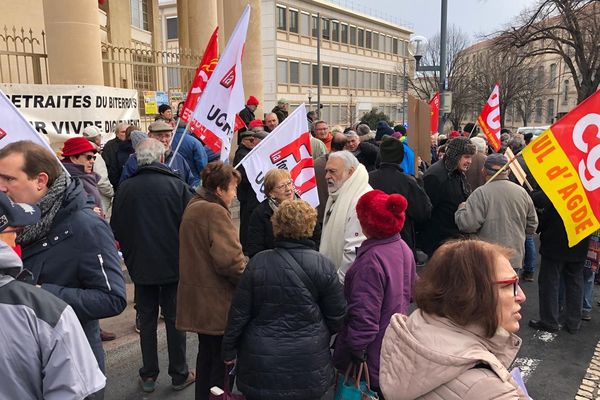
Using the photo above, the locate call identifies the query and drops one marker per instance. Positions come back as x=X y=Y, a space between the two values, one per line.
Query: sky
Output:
x=474 y=17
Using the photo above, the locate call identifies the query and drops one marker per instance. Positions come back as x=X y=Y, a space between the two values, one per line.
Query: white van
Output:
x=536 y=130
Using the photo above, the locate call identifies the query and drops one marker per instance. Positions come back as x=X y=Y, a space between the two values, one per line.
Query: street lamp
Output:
x=309 y=92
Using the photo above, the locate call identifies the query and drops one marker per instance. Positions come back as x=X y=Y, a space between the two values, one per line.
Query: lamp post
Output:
x=309 y=92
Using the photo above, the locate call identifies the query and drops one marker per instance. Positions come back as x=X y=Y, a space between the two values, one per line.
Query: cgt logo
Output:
x=229 y=78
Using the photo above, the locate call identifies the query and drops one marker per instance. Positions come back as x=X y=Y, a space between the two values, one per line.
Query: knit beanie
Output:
x=381 y=215
x=455 y=149
x=136 y=137
x=391 y=150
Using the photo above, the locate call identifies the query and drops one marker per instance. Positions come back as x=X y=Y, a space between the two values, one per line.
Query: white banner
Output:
x=68 y=109
x=223 y=96
x=287 y=147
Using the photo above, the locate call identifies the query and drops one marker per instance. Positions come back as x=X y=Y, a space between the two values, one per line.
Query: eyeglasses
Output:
x=514 y=282
x=89 y=157
x=285 y=185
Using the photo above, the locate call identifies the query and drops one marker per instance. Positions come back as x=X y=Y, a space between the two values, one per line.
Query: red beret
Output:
x=77 y=145
x=252 y=101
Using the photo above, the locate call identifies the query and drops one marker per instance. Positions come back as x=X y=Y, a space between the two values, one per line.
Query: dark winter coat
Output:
x=279 y=331
x=109 y=154
x=246 y=115
x=192 y=150
x=446 y=190
x=260 y=231
x=78 y=262
x=89 y=181
x=123 y=152
x=378 y=285
x=245 y=195
x=280 y=112
x=390 y=178
x=146 y=216
x=366 y=154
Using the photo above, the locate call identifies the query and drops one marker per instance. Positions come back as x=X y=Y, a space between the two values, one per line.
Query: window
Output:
x=538 y=110
x=139 y=14
x=361 y=37
x=335 y=31
x=353 y=35
x=304 y=24
x=368 y=42
x=326 y=77
x=360 y=79
x=375 y=41
x=550 y=111
x=293 y=21
x=344 y=33
x=325 y=28
x=294 y=72
x=374 y=80
x=344 y=77
x=335 y=76
x=352 y=78
x=388 y=44
x=395 y=46
x=305 y=74
x=335 y=114
x=552 y=82
x=381 y=81
x=315 y=74
x=281 y=20
x=171 y=28
x=566 y=92
x=282 y=72
x=540 y=76
x=314 y=29
x=367 y=84
x=381 y=43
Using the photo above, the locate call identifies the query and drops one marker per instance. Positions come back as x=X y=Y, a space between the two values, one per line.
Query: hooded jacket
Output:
x=431 y=358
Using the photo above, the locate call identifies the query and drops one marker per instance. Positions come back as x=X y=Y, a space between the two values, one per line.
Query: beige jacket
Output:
x=431 y=358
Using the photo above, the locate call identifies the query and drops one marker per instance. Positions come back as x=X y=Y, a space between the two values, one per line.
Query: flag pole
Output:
x=180 y=140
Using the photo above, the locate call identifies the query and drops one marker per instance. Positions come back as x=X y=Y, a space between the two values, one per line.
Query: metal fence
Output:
x=23 y=57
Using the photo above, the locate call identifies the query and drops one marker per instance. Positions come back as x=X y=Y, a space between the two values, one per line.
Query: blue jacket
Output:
x=408 y=162
x=191 y=150
x=78 y=262
x=180 y=168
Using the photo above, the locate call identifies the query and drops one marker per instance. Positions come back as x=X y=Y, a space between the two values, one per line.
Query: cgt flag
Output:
x=223 y=96
x=434 y=106
x=287 y=147
x=565 y=161
x=489 y=119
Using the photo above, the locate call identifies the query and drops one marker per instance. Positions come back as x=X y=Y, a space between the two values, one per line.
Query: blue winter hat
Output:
x=16 y=214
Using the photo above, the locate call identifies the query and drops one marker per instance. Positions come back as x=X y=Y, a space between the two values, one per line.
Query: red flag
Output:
x=489 y=119
x=434 y=105
x=203 y=73
x=564 y=162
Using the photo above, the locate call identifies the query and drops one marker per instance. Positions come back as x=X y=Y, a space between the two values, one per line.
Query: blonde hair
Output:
x=294 y=219
x=273 y=177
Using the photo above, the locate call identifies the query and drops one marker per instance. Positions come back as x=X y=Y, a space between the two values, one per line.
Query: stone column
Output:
x=73 y=42
x=252 y=62
x=182 y=24
x=202 y=21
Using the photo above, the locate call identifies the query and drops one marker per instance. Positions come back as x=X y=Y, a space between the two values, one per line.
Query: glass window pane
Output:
x=381 y=81
x=305 y=74
x=315 y=74
x=360 y=80
x=294 y=21
x=353 y=35
x=281 y=21
x=361 y=37
x=367 y=80
x=381 y=43
x=388 y=44
x=282 y=75
x=344 y=33
x=314 y=26
x=375 y=41
x=344 y=77
x=374 y=80
x=335 y=76
x=172 y=28
x=335 y=31
x=325 y=28
x=368 y=43
x=304 y=24
x=352 y=79
x=335 y=114
x=326 y=80
x=395 y=46
x=294 y=72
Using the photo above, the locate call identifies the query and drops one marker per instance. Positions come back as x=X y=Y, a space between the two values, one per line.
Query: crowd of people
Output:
x=295 y=295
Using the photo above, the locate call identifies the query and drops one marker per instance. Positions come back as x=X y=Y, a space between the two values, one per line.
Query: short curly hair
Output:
x=294 y=219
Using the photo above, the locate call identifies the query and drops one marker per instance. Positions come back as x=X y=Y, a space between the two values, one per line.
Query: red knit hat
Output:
x=255 y=123
x=252 y=101
x=77 y=145
x=381 y=215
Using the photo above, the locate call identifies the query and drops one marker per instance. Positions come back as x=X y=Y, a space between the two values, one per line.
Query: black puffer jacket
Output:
x=279 y=331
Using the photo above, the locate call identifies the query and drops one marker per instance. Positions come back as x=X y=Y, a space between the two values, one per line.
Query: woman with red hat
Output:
x=379 y=283
x=79 y=157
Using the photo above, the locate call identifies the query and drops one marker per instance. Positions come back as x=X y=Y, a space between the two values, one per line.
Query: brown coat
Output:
x=474 y=175
x=430 y=358
x=211 y=263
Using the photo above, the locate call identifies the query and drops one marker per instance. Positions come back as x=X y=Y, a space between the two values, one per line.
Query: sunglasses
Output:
x=89 y=157
x=514 y=282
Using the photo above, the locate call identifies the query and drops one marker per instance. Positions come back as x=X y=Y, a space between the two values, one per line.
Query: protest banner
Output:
x=287 y=147
x=434 y=105
x=223 y=96
x=489 y=118
x=68 y=109
x=564 y=160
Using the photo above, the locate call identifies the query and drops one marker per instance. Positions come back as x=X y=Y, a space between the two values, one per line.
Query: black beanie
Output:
x=163 y=107
x=391 y=150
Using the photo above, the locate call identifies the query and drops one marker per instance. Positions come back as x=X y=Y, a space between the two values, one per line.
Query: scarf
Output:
x=339 y=206
x=49 y=206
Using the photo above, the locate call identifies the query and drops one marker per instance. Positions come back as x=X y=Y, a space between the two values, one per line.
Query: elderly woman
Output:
x=378 y=284
x=460 y=341
x=79 y=157
x=284 y=311
x=211 y=263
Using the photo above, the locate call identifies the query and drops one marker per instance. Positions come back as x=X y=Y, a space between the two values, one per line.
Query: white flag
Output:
x=14 y=127
x=287 y=147
x=223 y=96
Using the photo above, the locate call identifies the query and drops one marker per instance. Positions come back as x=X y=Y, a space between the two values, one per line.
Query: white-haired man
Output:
x=347 y=180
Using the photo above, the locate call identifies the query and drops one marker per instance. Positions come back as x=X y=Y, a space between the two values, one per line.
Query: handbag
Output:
x=353 y=388
x=217 y=393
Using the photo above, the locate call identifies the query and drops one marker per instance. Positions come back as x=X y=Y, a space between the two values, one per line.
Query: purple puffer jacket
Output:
x=379 y=284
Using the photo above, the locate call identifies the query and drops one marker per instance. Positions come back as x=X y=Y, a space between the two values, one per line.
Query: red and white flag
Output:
x=489 y=118
x=287 y=147
x=434 y=106
x=14 y=127
x=223 y=96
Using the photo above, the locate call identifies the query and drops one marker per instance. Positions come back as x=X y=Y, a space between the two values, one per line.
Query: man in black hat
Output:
x=447 y=187
x=390 y=179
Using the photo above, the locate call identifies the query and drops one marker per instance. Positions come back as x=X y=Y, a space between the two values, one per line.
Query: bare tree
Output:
x=567 y=28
